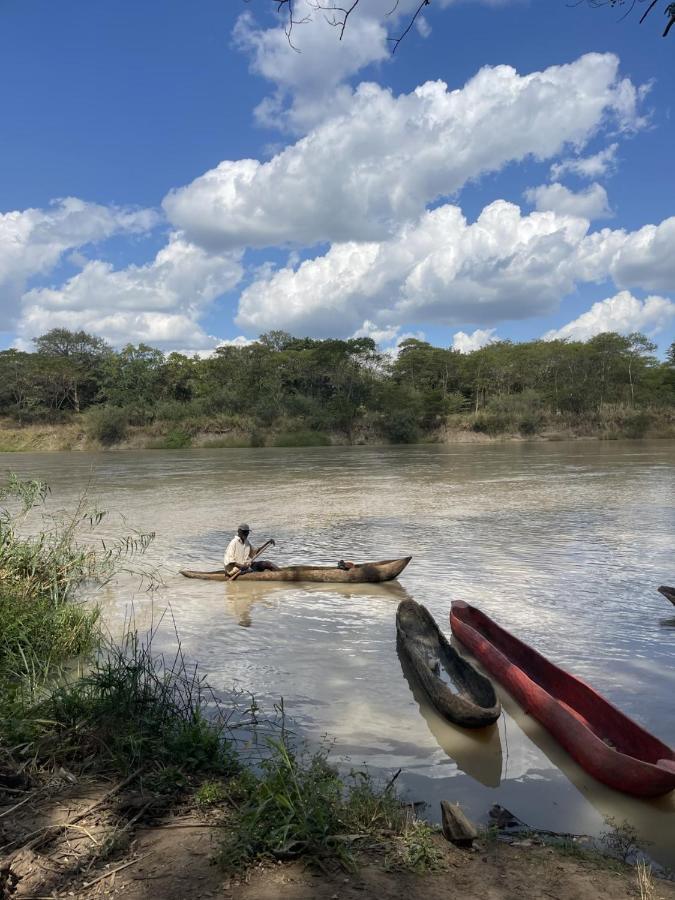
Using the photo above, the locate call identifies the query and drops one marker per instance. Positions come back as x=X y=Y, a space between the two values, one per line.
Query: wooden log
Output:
x=456 y=827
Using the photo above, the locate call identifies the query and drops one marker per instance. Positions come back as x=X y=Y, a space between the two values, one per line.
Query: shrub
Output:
x=636 y=425
x=107 y=424
x=177 y=440
x=491 y=423
x=400 y=427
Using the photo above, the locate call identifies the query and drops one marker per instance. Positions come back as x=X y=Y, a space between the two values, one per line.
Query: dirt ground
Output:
x=172 y=859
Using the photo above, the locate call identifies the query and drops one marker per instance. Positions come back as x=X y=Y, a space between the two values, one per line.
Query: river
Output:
x=563 y=543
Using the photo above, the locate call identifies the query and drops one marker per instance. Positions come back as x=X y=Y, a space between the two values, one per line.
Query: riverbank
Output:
x=140 y=845
x=79 y=433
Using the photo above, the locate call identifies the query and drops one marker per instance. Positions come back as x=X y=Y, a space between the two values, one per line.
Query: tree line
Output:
x=333 y=385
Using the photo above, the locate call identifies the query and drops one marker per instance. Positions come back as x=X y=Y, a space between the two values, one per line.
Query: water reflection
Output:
x=476 y=751
x=653 y=819
x=242 y=596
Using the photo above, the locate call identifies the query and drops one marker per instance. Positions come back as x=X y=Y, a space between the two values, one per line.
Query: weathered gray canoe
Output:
x=473 y=702
x=385 y=570
x=668 y=592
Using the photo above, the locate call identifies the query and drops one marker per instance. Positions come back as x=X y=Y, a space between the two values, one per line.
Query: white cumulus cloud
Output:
x=158 y=303
x=310 y=67
x=32 y=241
x=467 y=343
x=622 y=313
x=441 y=268
x=595 y=166
x=638 y=259
x=360 y=174
x=591 y=203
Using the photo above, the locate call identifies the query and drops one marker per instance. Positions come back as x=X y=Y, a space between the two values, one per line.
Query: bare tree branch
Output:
x=631 y=4
x=337 y=16
x=397 y=41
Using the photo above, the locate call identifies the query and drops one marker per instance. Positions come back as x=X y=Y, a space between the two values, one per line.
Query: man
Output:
x=239 y=552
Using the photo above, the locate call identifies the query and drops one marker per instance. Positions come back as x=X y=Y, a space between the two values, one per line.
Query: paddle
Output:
x=235 y=575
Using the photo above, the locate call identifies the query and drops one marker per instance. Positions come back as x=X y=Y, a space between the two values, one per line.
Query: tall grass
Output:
x=298 y=804
x=132 y=710
x=41 y=622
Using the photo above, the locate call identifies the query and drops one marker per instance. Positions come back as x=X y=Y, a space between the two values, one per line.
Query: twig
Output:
x=43 y=834
x=397 y=41
x=20 y=803
x=125 y=865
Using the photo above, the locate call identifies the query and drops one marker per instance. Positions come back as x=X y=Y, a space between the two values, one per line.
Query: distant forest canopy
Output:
x=333 y=385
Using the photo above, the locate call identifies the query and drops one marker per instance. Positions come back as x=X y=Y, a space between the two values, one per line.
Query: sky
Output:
x=184 y=175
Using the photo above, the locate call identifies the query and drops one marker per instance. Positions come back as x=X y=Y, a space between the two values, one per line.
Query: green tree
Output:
x=78 y=365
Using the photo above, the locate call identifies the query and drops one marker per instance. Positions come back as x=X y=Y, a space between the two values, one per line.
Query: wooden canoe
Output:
x=605 y=742
x=372 y=572
x=668 y=592
x=463 y=696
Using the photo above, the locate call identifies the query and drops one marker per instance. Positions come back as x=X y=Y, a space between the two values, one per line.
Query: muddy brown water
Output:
x=562 y=543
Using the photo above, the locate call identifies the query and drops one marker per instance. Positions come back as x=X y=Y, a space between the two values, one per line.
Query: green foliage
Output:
x=129 y=711
x=300 y=439
x=107 y=424
x=174 y=440
x=211 y=793
x=41 y=623
x=400 y=426
x=329 y=386
x=300 y=806
x=636 y=424
x=416 y=850
x=492 y=423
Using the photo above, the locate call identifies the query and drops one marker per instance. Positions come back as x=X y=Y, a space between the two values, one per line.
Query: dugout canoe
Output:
x=605 y=742
x=454 y=687
x=668 y=592
x=373 y=572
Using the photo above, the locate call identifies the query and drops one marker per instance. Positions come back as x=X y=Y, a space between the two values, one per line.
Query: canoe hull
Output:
x=374 y=572
x=606 y=743
x=668 y=593
x=474 y=704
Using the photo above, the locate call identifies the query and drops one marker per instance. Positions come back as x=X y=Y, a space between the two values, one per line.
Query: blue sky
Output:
x=507 y=173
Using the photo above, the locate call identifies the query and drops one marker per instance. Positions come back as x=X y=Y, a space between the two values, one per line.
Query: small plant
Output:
x=621 y=839
x=416 y=850
x=300 y=806
x=211 y=793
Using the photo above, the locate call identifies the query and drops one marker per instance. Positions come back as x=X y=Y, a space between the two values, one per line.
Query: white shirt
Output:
x=238 y=552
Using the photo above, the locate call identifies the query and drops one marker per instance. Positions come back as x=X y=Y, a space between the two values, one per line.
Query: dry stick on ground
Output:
x=119 y=868
x=44 y=836
x=21 y=803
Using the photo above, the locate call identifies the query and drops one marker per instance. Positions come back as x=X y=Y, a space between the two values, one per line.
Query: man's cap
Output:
x=243 y=527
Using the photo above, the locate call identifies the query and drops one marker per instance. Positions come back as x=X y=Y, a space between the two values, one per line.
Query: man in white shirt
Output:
x=239 y=552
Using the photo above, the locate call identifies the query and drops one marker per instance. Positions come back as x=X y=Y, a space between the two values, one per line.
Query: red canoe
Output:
x=604 y=741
